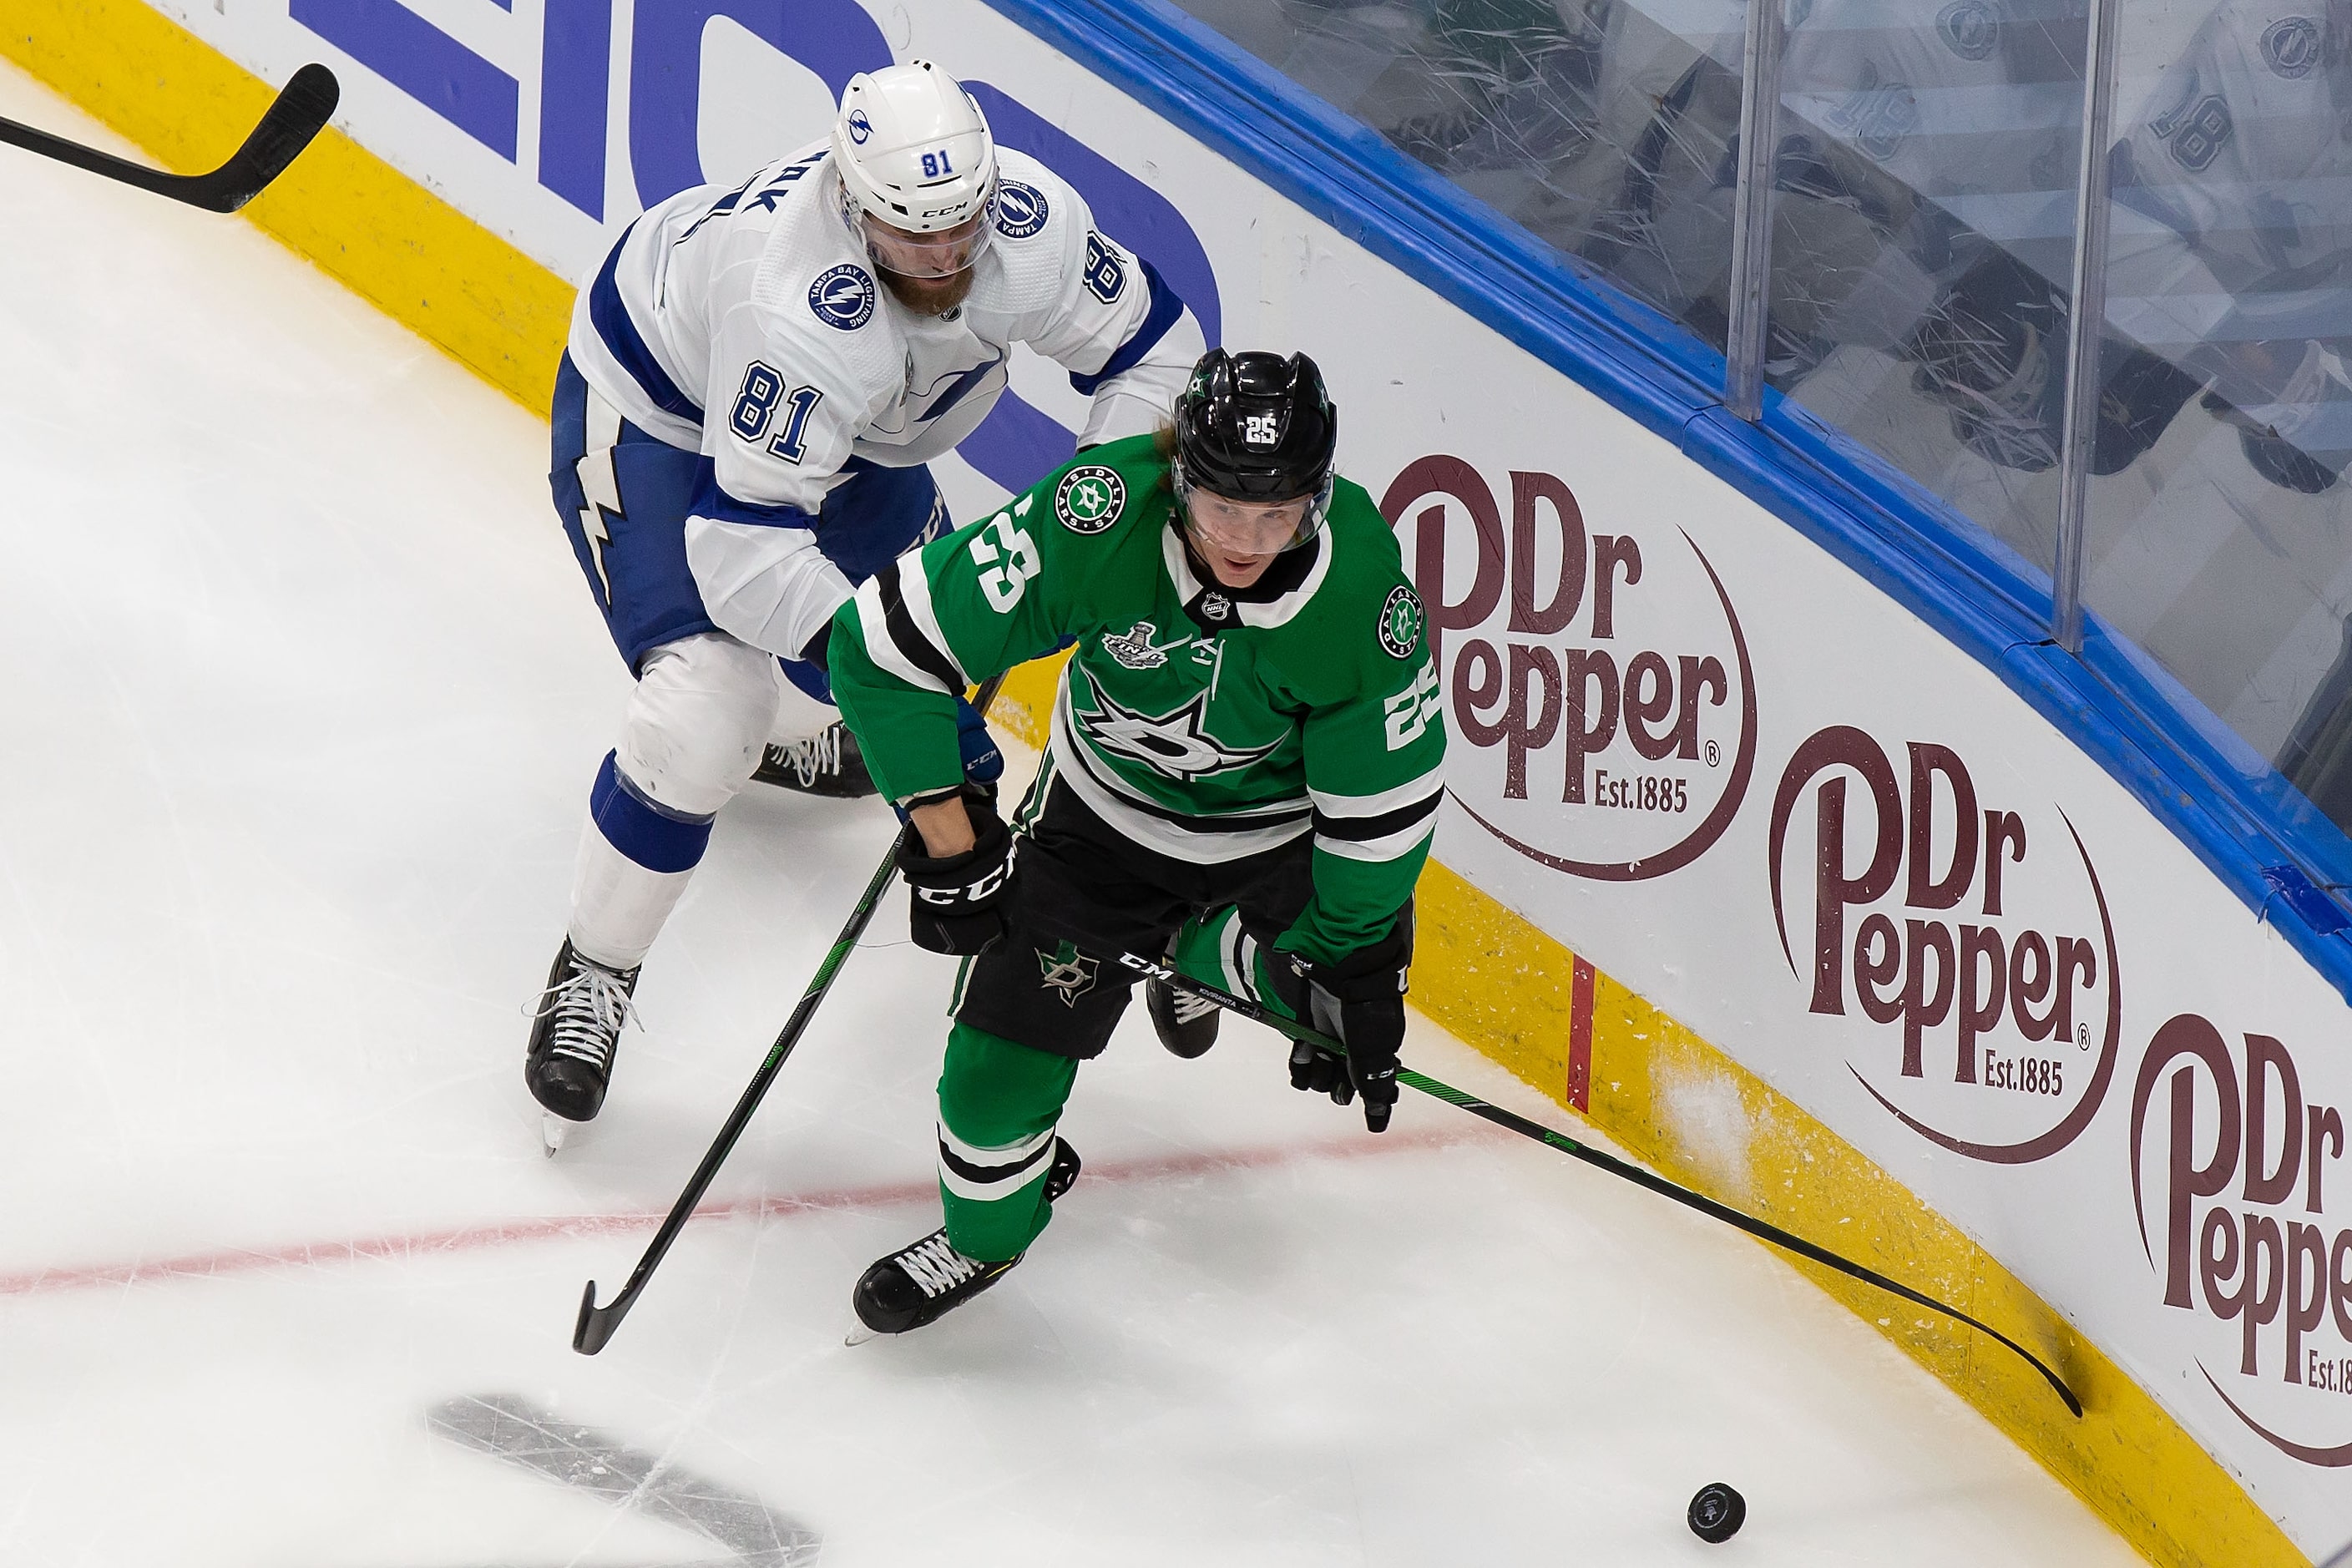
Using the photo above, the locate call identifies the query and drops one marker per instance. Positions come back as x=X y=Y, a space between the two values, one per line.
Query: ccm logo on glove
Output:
x=952 y=904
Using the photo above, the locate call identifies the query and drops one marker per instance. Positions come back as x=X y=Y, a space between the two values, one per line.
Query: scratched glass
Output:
x=2220 y=542
x=1924 y=167
x=1568 y=117
x=1923 y=226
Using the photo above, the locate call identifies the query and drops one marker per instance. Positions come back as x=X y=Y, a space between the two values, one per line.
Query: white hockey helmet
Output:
x=915 y=158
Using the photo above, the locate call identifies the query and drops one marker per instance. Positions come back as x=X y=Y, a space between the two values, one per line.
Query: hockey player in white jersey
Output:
x=755 y=379
x=2233 y=185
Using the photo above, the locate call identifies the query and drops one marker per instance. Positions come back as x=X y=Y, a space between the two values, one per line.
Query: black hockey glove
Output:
x=1360 y=1001
x=951 y=902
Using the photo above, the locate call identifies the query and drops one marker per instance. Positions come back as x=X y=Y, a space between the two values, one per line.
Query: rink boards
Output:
x=1742 y=859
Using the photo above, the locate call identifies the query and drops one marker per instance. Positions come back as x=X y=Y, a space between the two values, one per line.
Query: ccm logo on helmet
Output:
x=843 y=298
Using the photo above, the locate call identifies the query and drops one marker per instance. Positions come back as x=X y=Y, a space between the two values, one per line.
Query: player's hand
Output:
x=952 y=899
x=1359 y=1001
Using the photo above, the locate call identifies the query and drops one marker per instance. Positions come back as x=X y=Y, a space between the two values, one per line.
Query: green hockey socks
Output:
x=999 y=1104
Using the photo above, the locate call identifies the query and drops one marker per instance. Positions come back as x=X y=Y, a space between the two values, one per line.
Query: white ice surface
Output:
x=304 y=697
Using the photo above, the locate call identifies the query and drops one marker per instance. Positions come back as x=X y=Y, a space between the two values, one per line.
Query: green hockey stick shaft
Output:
x=596 y=1325
x=1762 y=1230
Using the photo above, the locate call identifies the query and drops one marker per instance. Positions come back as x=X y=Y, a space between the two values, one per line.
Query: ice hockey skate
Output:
x=1186 y=1024
x=922 y=1283
x=827 y=763
x=574 y=1036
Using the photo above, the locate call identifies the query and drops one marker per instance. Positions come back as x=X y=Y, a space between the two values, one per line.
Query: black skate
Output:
x=826 y=763
x=572 y=1038
x=1187 y=1024
x=922 y=1283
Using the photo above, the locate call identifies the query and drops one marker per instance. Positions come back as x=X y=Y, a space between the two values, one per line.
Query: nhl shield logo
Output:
x=1065 y=971
x=1400 y=620
x=1089 y=499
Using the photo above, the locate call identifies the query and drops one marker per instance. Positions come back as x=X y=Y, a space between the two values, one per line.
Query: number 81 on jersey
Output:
x=755 y=409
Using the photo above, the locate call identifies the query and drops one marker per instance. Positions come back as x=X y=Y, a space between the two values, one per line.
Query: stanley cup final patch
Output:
x=1089 y=498
x=1400 y=620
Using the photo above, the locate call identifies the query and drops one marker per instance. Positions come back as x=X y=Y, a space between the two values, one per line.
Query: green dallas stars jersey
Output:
x=1198 y=725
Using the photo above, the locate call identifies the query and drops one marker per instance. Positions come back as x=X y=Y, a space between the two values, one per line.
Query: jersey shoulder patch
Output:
x=2291 y=47
x=1401 y=619
x=1022 y=209
x=843 y=297
x=1090 y=497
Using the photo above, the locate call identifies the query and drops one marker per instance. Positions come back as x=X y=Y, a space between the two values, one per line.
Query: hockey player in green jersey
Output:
x=1244 y=773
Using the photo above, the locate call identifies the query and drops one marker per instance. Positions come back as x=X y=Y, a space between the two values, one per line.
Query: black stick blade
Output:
x=292 y=123
x=596 y=1324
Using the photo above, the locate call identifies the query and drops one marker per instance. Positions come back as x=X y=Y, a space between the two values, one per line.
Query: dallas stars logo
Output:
x=1177 y=744
x=1401 y=621
x=1066 y=972
x=1089 y=498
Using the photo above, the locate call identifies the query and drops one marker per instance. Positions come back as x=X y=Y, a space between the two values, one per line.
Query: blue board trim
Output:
x=2249 y=829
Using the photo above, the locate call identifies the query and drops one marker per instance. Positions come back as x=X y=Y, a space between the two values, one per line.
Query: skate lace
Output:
x=936 y=1267
x=815 y=757
x=1191 y=1008
x=591 y=1005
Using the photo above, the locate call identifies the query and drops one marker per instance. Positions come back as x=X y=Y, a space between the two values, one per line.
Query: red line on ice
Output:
x=501 y=1233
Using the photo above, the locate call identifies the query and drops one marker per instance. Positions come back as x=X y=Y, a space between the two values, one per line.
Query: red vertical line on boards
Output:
x=1579 y=1037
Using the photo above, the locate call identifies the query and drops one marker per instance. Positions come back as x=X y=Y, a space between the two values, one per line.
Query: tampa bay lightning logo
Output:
x=2291 y=47
x=860 y=128
x=1020 y=209
x=843 y=298
x=1969 y=28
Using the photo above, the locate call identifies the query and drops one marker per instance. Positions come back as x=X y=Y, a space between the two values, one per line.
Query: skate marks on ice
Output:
x=510 y=1427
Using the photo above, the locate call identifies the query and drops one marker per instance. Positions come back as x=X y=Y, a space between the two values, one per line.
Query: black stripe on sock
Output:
x=991 y=1175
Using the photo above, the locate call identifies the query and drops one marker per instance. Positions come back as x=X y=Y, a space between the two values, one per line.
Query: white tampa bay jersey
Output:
x=2235 y=178
x=748 y=325
x=1969 y=102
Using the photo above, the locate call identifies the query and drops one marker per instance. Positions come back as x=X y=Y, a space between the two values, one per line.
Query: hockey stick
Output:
x=1763 y=1230
x=597 y=1324
x=297 y=115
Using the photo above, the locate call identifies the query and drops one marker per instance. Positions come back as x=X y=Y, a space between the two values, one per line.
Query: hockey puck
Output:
x=1717 y=1512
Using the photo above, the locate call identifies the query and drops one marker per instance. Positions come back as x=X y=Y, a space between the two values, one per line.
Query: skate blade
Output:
x=552 y=1130
x=860 y=1335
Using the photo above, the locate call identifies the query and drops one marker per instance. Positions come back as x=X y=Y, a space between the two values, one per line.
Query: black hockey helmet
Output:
x=1257 y=427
